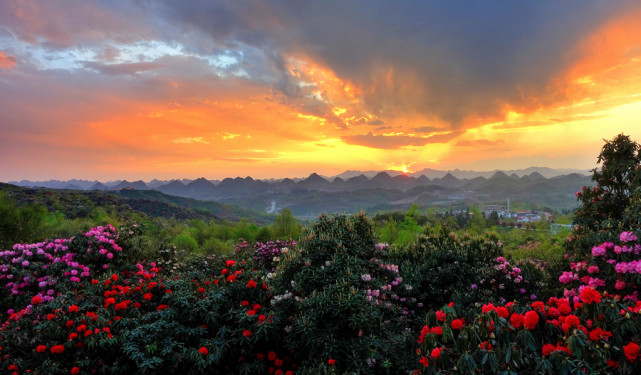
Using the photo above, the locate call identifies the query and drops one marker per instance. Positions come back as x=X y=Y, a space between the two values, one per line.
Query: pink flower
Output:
x=627 y=237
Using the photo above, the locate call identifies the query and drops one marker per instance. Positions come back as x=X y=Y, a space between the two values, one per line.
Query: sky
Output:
x=122 y=89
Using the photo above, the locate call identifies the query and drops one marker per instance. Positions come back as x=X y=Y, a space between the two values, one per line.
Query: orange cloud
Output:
x=7 y=61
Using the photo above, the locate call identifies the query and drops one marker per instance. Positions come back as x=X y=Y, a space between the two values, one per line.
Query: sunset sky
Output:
x=183 y=89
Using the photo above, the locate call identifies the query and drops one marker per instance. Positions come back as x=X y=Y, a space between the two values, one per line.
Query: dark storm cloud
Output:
x=448 y=60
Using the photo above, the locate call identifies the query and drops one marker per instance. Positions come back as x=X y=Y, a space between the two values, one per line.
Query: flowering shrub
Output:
x=264 y=253
x=34 y=273
x=335 y=303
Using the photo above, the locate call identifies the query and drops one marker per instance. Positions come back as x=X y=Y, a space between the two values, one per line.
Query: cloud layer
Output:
x=167 y=87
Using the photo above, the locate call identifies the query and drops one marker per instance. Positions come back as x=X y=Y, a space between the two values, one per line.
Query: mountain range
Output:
x=370 y=190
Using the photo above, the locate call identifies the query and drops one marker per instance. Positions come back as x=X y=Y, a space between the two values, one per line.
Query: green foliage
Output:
x=186 y=242
x=440 y=265
x=286 y=226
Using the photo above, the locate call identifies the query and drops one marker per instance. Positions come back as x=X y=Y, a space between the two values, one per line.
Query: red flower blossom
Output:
x=440 y=316
x=120 y=306
x=331 y=361
x=231 y=278
x=564 y=306
x=251 y=312
x=548 y=349
x=201 y=290
x=57 y=349
x=244 y=303
x=73 y=308
x=41 y=348
x=485 y=345
x=36 y=300
x=230 y=263
x=81 y=328
x=203 y=350
x=631 y=351
x=538 y=306
x=114 y=277
x=424 y=361
x=516 y=320
x=589 y=295
x=271 y=355
x=278 y=362
x=437 y=331
x=436 y=352
x=457 y=324
x=147 y=296
x=251 y=284
x=502 y=312
x=162 y=307
x=76 y=370
x=487 y=308
x=531 y=318
x=247 y=333
x=73 y=336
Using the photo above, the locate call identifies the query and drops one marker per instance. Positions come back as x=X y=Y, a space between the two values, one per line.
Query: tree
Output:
x=613 y=204
x=286 y=225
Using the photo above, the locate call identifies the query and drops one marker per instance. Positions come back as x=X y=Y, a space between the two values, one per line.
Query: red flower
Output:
x=231 y=278
x=73 y=308
x=437 y=331
x=631 y=351
x=251 y=312
x=538 y=306
x=516 y=320
x=424 y=361
x=201 y=290
x=457 y=324
x=13 y=367
x=331 y=361
x=162 y=307
x=278 y=362
x=487 y=308
x=76 y=370
x=247 y=333
x=73 y=336
x=271 y=355
x=230 y=263
x=485 y=345
x=81 y=328
x=502 y=312
x=548 y=349
x=436 y=352
x=36 y=300
x=589 y=295
x=251 y=284
x=531 y=318
x=69 y=323
x=110 y=301
x=41 y=348
x=114 y=277
x=147 y=296
x=440 y=316
x=244 y=303
x=203 y=350
x=57 y=349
